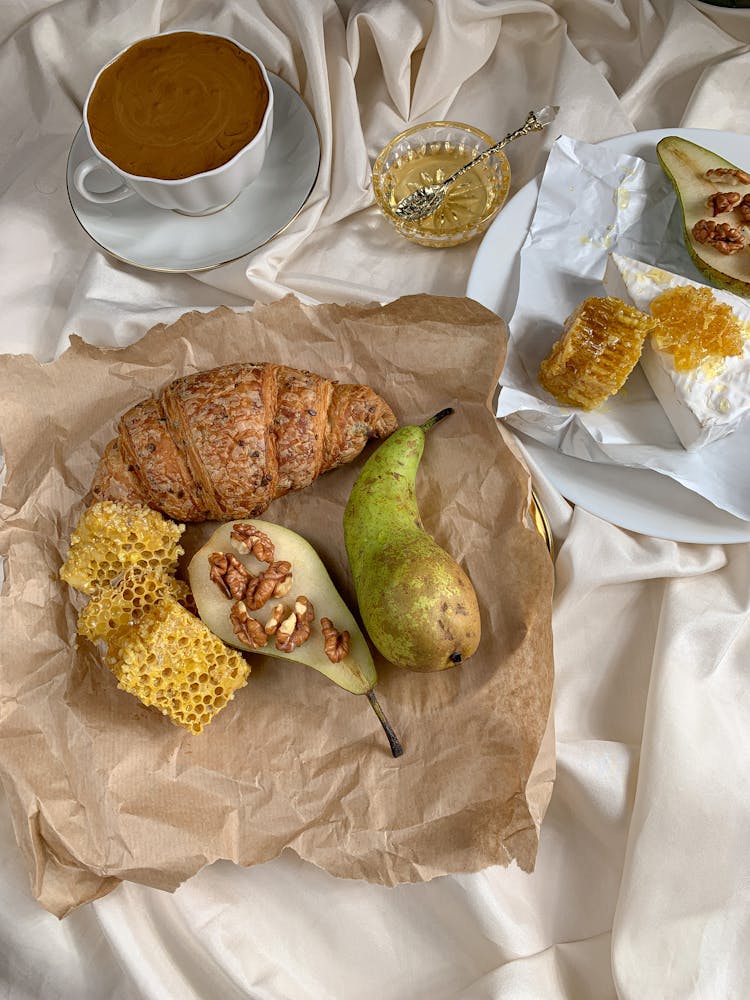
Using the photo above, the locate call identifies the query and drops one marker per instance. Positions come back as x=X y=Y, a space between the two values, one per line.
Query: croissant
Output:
x=224 y=443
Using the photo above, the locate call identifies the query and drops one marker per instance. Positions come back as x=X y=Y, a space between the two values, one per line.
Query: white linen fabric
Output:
x=642 y=886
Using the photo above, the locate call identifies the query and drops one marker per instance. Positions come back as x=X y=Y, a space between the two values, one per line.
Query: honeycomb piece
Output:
x=111 y=536
x=115 y=607
x=693 y=327
x=601 y=344
x=170 y=660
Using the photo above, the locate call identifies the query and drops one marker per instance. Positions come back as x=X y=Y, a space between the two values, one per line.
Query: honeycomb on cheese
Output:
x=169 y=659
x=116 y=606
x=111 y=536
x=600 y=345
x=694 y=326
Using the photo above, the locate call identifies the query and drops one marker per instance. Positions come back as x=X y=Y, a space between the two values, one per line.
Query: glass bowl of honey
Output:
x=427 y=154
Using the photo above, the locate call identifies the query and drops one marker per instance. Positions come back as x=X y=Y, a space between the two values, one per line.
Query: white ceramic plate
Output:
x=137 y=233
x=636 y=499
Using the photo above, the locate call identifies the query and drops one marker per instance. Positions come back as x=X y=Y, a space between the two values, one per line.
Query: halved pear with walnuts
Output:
x=697 y=176
x=355 y=672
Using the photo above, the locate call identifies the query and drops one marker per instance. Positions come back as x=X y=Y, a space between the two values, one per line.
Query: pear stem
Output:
x=396 y=748
x=440 y=415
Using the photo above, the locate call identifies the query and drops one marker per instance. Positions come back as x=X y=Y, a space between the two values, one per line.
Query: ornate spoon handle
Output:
x=535 y=121
x=426 y=200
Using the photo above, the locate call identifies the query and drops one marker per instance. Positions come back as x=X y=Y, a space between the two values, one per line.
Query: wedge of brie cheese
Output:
x=703 y=404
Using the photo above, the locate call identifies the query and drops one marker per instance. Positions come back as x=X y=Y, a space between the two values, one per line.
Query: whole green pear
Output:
x=417 y=604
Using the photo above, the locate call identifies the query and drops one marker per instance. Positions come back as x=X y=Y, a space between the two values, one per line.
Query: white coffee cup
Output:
x=197 y=194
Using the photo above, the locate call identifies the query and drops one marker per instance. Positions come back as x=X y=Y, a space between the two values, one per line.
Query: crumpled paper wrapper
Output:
x=593 y=202
x=103 y=789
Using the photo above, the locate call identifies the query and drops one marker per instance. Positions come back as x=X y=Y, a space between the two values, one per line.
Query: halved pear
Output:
x=686 y=164
x=310 y=578
x=355 y=673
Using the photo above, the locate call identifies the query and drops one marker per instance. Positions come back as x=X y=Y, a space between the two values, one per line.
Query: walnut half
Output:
x=247 y=629
x=728 y=175
x=295 y=629
x=727 y=239
x=248 y=538
x=337 y=644
x=276 y=581
x=229 y=574
x=722 y=201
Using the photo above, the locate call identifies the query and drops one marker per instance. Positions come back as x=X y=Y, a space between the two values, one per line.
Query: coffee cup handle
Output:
x=88 y=166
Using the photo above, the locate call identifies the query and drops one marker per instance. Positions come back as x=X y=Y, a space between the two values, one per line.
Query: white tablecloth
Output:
x=642 y=885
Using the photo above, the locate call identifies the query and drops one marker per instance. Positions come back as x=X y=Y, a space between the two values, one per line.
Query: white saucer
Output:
x=137 y=233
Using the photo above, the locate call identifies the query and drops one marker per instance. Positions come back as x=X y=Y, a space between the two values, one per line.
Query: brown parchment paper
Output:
x=102 y=789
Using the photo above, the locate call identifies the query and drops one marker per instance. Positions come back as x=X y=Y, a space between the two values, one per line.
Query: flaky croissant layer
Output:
x=224 y=443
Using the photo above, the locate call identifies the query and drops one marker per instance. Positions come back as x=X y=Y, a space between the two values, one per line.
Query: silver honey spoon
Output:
x=426 y=200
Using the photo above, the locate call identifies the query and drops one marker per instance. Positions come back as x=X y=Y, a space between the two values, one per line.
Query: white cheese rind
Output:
x=702 y=405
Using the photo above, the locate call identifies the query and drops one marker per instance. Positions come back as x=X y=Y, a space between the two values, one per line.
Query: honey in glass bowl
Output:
x=427 y=154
